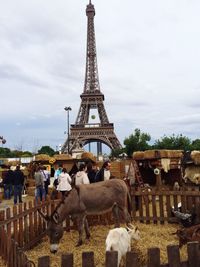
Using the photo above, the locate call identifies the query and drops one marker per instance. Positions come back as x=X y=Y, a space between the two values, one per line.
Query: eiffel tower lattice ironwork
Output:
x=83 y=132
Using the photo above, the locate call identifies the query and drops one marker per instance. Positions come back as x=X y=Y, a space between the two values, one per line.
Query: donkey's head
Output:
x=54 y=230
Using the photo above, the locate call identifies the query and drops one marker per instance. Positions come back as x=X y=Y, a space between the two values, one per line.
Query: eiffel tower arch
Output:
x=83 y=131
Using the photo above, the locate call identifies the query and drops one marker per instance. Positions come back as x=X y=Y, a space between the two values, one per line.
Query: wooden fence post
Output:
x=153 y=257
x=193 y=254
x=44 y=261
x=173 y=256
x=131 y=259
x=67 y=260
x=88 y=259
x=111 y=258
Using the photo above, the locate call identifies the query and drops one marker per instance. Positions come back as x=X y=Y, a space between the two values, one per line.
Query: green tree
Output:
x=46 y=150
x=26 y=154
x=5 y=152
x=137 y=142
x=195 y=144
x=173 y=142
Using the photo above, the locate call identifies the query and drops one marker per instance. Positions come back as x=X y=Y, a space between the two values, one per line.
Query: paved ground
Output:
x=6 y=203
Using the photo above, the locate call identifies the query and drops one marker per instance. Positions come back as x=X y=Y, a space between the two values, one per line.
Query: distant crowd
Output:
x=13 y=183
x=64 y=182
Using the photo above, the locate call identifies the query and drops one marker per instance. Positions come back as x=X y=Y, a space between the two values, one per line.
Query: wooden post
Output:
x=111 y=259
x=173 y=256
x=67 y=260
x=153 y=257
x=88 y=259
x=132 y=259
x=193 y=254
x=44 y=261
x=158 y=181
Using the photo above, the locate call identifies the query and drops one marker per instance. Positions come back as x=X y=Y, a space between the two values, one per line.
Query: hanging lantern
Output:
x=156 y=171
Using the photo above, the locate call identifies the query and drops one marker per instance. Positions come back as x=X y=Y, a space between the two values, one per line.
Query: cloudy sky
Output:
x=148 y=60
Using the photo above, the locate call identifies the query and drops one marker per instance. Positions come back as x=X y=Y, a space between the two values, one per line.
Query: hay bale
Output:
x=150 y=154
x=195 y=155
x=42 y=157
x=174 y=153
x=88 y=155
x=162 y=153
x=62 y=157
x=138 y=155
x=193 y=174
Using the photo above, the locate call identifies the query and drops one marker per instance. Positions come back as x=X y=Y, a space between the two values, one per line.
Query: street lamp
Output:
x=68 y=109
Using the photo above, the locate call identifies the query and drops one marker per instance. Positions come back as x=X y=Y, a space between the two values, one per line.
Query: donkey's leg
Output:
x=127 y=217
x=115 y=211
x=124 y=215
x=80 y=225
x=87 y=231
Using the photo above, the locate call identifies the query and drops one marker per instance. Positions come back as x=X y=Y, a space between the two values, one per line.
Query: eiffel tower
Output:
x=83 y=132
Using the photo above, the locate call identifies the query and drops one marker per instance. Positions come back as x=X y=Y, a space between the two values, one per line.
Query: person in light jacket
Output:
x=64 y=182
x=81 y=176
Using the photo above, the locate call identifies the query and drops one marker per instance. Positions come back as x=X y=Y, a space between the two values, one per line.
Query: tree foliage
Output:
x=7 y=153
x=195 y=144
x=46 y=150
x=173 y=142
x=138 y=141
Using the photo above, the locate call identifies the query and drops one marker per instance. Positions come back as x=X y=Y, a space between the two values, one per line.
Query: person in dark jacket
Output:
x=8 y=181
x=18 y=182
x=91 y=171
x=104 y=173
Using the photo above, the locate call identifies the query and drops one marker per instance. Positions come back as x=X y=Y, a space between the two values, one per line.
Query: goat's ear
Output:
x=46 y=217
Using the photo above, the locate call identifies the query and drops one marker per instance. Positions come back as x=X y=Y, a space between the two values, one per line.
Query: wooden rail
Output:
x=155 y=206
x=153 y=258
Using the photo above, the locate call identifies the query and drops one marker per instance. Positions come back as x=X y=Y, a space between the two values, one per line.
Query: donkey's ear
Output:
x=46 y=217
x=55 y=217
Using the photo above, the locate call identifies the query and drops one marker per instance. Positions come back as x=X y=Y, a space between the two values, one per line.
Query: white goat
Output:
x=119 y=239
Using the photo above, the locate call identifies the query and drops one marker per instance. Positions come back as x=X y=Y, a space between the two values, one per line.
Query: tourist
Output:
x=81 y=176
x=64 y=182
x=8 y=181
x=56 y=175
x=46 y=178
x=91 y=171
x=104 y=173
x=18 y=183
x=39 y=184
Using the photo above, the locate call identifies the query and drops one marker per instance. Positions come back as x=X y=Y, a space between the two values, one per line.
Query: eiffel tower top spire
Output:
x=91 y=73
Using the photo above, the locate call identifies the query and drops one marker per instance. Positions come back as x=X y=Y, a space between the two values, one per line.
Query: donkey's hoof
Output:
x=79 y=243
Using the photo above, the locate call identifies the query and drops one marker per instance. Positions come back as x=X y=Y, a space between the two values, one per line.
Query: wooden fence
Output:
x=155 y=206
x=23 y=224
x=153 y=258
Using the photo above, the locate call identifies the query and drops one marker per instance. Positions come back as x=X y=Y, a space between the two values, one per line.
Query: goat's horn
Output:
x=46 y=217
